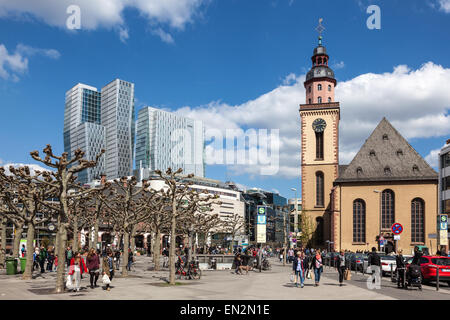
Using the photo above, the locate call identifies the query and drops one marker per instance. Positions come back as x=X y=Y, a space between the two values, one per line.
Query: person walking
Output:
x=130 y=259
x=76 y=268
x=237 y=263
x=341 y=266
x=93 y=265
x=374 y=262
x=69 y=255
x=50 y=260
x=400 y=264
x=42 y=258
x=23 y=250
x=36 y=258
x=108 y=268
x=299 y=268
x=117 y=259
x=417 y=255
x=317 y=266
x=281 y=255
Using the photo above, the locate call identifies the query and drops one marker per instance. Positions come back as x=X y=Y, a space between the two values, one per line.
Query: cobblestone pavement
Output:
x=143 y=283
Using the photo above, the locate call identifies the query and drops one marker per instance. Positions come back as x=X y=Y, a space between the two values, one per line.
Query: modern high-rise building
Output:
x=82 y=128
x=96 y=120
x=118 y=118
x=167 y=140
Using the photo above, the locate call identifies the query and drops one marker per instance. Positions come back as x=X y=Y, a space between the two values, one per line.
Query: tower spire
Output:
x=320 y=28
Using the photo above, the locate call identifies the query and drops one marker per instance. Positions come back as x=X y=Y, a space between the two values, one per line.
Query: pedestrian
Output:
x=56 y=262
x=341 y=266
x=93 y=265
x=400 y=265
x=42 y=258
x=117 y=259
x=50 y=260
x=298 y=268
x=417 y=256
x=108 y=268
x=69 y=255
x=374 y=262
x=76 y=268
x=237 y=264
x=36 y=258
x=281 y=255
x=317 y=266
x=130 y=259
x=23 y=250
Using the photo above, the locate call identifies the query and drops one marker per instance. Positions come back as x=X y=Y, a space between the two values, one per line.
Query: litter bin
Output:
x=23 y=264
x=11 y=266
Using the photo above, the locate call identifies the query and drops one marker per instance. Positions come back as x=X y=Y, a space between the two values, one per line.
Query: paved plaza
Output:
x=143 y=283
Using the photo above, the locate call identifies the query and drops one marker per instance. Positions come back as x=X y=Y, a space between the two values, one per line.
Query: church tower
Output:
x=320 y=143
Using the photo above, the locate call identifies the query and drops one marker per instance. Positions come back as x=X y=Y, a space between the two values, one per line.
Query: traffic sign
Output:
x=261 y=219
x=397 y=228
x=397 y=237
x=443 y=222
x=262 y=210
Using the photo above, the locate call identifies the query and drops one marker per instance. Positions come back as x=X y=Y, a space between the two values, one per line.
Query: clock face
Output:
x=319 y=125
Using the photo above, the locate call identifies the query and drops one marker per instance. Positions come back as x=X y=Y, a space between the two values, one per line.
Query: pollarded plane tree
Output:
x=63 y=179
x=126 y=209
x=26 y=197
x=208 y=225
x=196 y=206
x=234 y=225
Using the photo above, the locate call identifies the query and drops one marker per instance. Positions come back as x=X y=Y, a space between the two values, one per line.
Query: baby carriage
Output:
x=414 y=277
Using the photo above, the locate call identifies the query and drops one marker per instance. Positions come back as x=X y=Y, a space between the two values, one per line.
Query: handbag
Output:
x=347 y=275
x=308 y=274
x=106 y=279
x=69 y=284
x=292 y=278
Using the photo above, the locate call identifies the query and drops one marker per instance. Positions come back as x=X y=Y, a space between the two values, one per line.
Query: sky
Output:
x=235 y=64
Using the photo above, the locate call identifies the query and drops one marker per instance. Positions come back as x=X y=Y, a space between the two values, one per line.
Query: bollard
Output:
x=437 y=278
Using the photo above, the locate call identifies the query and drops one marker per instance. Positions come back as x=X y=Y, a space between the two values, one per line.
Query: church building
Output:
x=353 y=207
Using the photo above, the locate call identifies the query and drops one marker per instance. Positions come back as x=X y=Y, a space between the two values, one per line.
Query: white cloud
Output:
x=123 y=34
x=13 y=65
x=105 y=13
x=433 y=158
x=444 y=5
x=165 y=37
x=339 y=65
x=412 y=100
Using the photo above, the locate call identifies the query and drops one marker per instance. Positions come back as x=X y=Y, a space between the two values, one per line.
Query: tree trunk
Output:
x=16 y=243
x=96 y=235
x=75 y=235
x=157 y=250
x=29 y=266
x=3 y=243
x=62 y=243
x=172 y=244
x=133 y=239
x=195 y=247
x=126 y=245
x=189 y=257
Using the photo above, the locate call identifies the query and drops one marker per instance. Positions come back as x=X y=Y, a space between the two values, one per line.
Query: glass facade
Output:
x=445 y=160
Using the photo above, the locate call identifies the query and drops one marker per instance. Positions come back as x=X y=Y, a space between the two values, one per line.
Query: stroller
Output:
x=414 y=277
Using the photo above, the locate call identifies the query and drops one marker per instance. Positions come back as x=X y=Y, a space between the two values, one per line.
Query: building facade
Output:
x=354 y=206
x=444 y=185
x=82 y=128
x=167 y=140
x=118 y=118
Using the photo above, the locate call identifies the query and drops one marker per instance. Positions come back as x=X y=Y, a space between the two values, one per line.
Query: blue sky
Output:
x=206 y=58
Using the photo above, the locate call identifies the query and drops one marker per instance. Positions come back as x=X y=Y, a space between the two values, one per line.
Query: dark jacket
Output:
x=417 y=256
x=93 y=262
x=295 y=263
x=313 y=264
x=399 y=261
x=374 y=259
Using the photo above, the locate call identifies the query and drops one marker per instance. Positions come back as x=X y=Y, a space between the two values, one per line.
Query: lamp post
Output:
x=296 y=213
x=379 y=192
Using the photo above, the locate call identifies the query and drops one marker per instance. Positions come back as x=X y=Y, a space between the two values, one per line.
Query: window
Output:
x=329 y=99
x=372 y=153
x=309 y=100
x=359 y=171
x=319 y=145
x=387 y=209
x=415 y=169
x=446 y=206
x=329 y=87
x=399 y=152
x=385 y=137
x=319 y=100
x=319 y=189
x=319 y=87
x=417 y=220
x=309 y=89
x=445 y=160
x=387 y=171
x=446 y=183
x=359 y=221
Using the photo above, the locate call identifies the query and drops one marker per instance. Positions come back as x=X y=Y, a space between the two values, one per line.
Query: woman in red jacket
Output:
x=76 y=268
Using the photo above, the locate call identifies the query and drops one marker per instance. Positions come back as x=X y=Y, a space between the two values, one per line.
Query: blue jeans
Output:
x=317 y=275
x=299 y=274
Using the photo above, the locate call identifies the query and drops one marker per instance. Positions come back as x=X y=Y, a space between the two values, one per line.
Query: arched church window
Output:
x=319 y=189
x=319 y=87
x=319 y=100
x=417 y=220
x=387 y=209
x=319 y=230
x=359 y=221
x=319 y=145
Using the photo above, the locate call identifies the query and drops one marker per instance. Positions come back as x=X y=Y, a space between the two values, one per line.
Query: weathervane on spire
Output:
x=320 y=28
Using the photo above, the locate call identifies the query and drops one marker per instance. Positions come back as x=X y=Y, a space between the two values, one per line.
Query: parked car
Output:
x=428 y=265
x=359 y=261
x=386 y=262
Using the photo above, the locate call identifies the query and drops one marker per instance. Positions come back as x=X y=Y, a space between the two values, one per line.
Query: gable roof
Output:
x=386 y=156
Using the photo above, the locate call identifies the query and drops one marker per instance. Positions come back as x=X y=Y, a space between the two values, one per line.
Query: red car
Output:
x=428 y=266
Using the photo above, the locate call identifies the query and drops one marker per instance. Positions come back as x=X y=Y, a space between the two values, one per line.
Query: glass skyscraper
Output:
x=82 y=127
x=165 y=139
x=101 y=120
x=118 y=118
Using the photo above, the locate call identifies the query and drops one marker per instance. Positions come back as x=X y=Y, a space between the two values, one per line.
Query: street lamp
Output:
x=379 y=192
